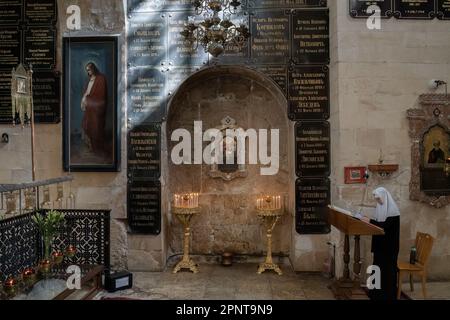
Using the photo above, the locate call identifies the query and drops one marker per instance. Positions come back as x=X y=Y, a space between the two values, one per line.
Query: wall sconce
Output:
x=434 y=84
x=5 y=138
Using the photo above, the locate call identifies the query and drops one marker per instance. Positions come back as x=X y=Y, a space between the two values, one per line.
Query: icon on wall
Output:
x=91 y=123
x=355 y=175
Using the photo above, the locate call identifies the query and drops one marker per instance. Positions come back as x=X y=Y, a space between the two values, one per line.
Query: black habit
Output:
x=385 y=253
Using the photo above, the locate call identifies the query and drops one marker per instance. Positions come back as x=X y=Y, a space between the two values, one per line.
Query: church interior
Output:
x=224 y=150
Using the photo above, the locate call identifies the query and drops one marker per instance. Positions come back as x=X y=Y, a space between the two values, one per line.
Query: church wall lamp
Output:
x=5 y=138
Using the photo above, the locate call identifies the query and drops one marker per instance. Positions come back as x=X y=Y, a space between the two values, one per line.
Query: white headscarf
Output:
x=388 y=208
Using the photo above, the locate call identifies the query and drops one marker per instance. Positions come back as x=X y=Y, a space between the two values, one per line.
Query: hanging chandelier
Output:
x=216 y=32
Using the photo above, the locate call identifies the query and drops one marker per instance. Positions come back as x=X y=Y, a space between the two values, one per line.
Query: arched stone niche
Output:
x=228 y=220
x=427 y=124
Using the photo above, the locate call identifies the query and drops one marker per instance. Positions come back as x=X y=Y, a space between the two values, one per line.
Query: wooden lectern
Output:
x=346 y=288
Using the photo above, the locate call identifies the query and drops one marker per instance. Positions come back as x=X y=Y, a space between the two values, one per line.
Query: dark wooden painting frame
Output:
x=75 y=60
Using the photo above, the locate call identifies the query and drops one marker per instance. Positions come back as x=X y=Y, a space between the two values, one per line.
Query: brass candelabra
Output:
x=270 y=218
x=185 y=214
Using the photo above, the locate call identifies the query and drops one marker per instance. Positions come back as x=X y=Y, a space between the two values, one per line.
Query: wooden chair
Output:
x=424 y=244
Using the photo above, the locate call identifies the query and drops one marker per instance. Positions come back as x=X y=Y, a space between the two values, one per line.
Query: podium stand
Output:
x=347 y=288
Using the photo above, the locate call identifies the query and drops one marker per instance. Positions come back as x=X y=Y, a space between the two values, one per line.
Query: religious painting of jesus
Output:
x=91 y=122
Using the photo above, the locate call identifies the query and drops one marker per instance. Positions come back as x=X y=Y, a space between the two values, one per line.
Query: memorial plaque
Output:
x=144 y=151
x=443 y=9
x=414 y=9
x=312 y=149
x=5 y=82
x=262 y=4
x=179 y=54
x=277 y=73
x=147 y=40
x=144 y=207
x=42 y=12
x=177 y=75
x=270 y=37
x=46 y=97
x=310 y=37
x=11 y=11
x=312 y=197
x=5 y=109
x=359 y=9
x=147 y=96
x=10 y=47
x=309 y=93
x=40 y=47
x=233 y=54
x=158 y=5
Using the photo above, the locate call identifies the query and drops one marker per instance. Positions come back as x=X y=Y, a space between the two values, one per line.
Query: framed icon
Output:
x=91 y=116
x=355 y=175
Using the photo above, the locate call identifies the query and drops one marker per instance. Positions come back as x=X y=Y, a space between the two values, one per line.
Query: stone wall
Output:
x=375 y=77
x=93 y=190
x=381 y=74
x=228 y=220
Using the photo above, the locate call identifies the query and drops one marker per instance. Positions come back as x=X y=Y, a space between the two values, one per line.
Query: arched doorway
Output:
x=228 y=220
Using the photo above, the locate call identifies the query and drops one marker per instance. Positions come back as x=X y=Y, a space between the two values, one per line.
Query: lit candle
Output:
x=10 y=286
x=58 y=257
x=71 y=251
x=29 y=276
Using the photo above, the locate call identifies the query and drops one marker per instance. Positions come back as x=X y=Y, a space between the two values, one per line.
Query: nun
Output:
x=385 y=247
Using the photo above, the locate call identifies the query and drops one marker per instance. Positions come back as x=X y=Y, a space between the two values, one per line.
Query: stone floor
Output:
x=435 y=291
x=239 y=282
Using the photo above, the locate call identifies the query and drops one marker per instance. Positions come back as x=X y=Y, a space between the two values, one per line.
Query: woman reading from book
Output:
x=385 y=247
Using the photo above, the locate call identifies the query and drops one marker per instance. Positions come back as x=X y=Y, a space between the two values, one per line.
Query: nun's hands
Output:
x=365 y=219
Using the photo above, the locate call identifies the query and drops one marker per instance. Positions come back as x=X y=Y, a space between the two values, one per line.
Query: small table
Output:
x=53 y=286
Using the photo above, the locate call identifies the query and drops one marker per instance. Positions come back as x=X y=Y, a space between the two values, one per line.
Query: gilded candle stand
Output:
x=185 y=215
x=270 y=218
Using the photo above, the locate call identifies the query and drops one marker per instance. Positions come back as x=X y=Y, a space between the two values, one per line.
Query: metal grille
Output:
x=88 y=231
x=21 y=246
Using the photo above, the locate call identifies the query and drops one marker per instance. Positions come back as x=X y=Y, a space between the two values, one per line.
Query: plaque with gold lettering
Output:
x=364 y=9
x=312 y=197
x=310 y=36
x=144 y=207
x=147 y=40
x=312 y=149
x=233 y=54
x=414 y=9
x=277 y=74
x=5 y=109
x=263 y=4
x=42 y=12
x=146 y=95
x=40 y=47
x=5 y=82
x=179 y=53
x=158 y=5
x=309 y=93
x=177 y=75
x=10 y=47
x=46 y=97
x=443 y=9
x=11 y=11
x=270 y=37
x=144 y=151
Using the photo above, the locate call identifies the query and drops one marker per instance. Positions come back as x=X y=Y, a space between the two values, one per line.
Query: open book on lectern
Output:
x=356 y=215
